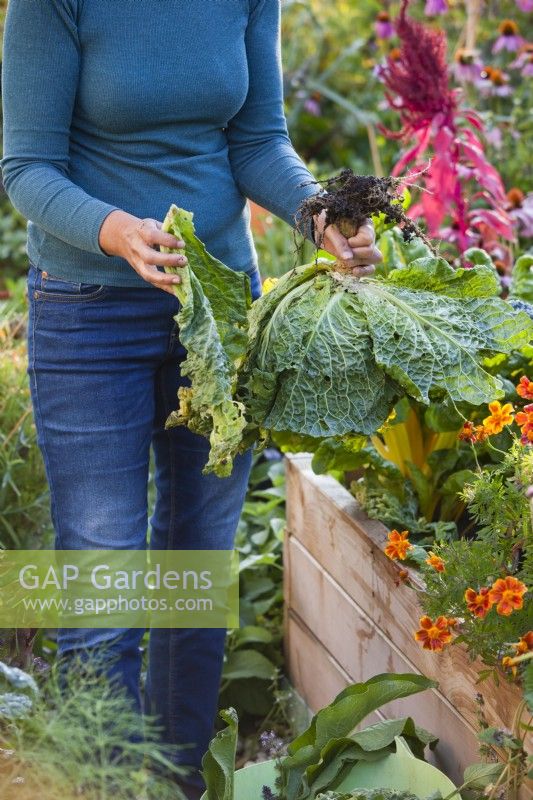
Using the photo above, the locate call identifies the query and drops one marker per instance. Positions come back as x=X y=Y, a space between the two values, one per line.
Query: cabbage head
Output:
x=327 y=354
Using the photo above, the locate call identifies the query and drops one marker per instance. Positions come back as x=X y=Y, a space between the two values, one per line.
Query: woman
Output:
x=113 y=110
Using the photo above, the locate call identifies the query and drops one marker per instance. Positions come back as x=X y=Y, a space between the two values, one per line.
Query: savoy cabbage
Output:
x=326 y=354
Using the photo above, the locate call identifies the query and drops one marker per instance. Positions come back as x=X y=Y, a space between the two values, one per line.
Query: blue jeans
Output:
x=104 y=367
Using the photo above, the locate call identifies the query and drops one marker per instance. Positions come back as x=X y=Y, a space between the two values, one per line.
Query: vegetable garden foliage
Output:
x=70 y=733
x=321 y=756
x=326 y=354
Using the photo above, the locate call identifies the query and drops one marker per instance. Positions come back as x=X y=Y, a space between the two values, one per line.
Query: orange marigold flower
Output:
x=509 y=663
x=500 y=416
x=398 y=546
x=468 y=433
x=525 y=388
x=524 y=420
x=478 y=603
x=508 y=595
x=481 y=433
x=525 y=644
x=433 y=635
x=436 y=562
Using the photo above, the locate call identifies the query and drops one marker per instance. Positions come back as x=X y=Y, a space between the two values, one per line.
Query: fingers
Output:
x=150 y=256
x=358 y=251
x=363 y=271
x=366 y=255
x=160 y=280
x=365 y=236
x=336 y=243
x=151 y=233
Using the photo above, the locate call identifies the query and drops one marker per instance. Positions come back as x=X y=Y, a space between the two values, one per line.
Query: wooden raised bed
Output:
x=348 y=617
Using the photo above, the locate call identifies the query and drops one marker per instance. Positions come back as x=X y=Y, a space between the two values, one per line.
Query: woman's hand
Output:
x=358 y=251
x=136 y=240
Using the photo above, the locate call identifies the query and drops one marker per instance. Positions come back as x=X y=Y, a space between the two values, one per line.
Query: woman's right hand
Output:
x=135 y=240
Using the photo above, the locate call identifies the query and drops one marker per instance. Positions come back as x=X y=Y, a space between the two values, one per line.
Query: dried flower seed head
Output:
x=515 y=197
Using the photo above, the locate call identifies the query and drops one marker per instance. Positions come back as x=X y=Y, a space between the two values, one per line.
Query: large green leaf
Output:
x=248 y=664
x=522 y=279
x=213 y=328
x=356 y=702
x=325 y=739
x=370 y=744
x=218 y=764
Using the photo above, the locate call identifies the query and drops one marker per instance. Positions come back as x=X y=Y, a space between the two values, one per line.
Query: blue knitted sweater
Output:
x=137 y=104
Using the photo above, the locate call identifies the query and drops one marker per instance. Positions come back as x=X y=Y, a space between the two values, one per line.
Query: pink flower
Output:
x=521 y=212
x=509 y=38
x=524 y=61
x=493 y=82
x=383 y=26
x=494 y=137
x=312 y=107
x=466 y=67
x=525 y=5
x=435 y=7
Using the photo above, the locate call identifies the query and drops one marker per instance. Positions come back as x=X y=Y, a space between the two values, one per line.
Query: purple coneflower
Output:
x=525 y=5
x=493 y=82
x=494 y=137
x=384 y=27
x=524 y=61
x=521 y=211
x=435 y=7
x=466 y=67
x=509 y=38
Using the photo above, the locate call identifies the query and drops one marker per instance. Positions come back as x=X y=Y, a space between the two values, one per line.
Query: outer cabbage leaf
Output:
x=213 y=328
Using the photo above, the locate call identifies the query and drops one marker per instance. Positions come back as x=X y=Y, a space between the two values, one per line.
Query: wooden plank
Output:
x=327 y=521
x=315 y=674
x=361 y=650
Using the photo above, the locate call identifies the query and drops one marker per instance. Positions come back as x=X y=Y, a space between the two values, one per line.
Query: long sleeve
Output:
x=265 y=165
x=39 y=83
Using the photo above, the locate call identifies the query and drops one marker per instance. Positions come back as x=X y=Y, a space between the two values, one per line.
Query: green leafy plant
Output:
x=496 y=499
x=78 y=736
x=368 y=794
x=318 y=759
x=327 y=354
x=254 y=653
x=24 y=501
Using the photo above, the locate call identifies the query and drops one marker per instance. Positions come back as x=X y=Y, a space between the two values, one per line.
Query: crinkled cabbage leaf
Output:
x=213 y=325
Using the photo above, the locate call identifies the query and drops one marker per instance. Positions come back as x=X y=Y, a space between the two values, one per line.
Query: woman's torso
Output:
x=158 y=83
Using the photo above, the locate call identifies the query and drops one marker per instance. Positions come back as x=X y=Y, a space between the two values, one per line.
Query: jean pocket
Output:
x=48 y=287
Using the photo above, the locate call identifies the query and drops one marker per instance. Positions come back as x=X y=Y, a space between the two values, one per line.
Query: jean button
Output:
x=36 y=295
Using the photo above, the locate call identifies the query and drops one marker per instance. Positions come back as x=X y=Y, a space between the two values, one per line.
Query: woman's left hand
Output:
x=358 y=251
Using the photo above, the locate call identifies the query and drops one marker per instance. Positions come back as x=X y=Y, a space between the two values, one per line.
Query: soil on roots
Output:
x=349 y=200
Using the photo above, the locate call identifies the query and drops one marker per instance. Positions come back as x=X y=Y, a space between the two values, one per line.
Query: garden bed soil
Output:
x=348 y=617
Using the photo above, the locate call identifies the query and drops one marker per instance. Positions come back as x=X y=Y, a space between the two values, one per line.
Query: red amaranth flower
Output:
x=418 y=82
x=464 y=199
